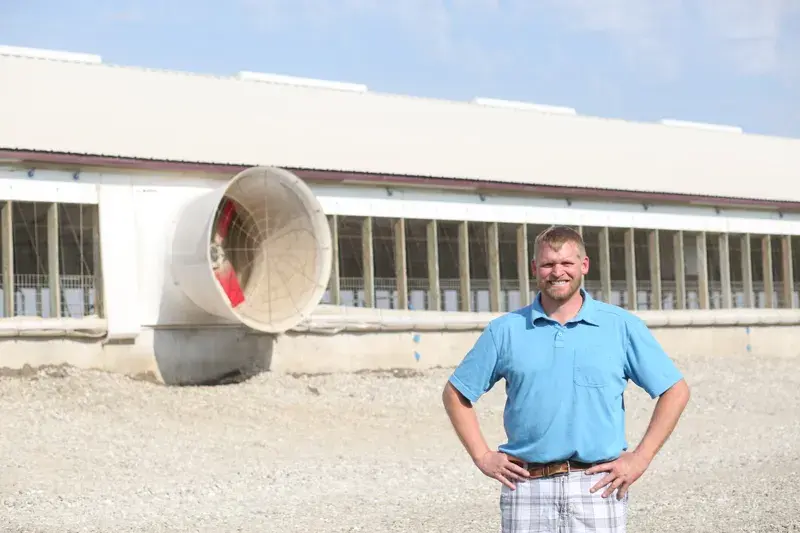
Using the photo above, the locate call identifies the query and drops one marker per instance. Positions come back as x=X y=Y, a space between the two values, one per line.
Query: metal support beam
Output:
x=654 y=258
x=463 y=267
x=680 y=270
x=334 y=285
x=493 y=256
x=605 y=264
x=53 y=270
x=747 y=272
x=630 y=269
x=400 y=264
x=523 y=265
x=434 y=291
x=580 y=230
x=99 y=291
x=766 y=267
x=7 y=225
x=725 y=271
x=702 y=270
x=787 y=272
x=368 y=260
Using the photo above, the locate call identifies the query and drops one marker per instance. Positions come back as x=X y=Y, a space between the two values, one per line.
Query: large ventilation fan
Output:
x=256 y=250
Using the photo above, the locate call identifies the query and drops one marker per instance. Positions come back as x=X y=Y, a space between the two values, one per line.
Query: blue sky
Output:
x=723 y=61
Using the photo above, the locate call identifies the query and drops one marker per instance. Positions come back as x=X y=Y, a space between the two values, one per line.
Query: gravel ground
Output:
x=87 y=451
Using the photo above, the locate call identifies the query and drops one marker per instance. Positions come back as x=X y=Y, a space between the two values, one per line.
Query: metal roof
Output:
x=77 y=104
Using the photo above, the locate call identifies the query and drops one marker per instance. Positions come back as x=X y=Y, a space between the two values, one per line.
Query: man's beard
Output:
x=560 y=293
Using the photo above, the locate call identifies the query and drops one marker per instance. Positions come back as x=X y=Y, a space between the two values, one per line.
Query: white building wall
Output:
x=138 y=212
x=431 y=204
x=47 y=185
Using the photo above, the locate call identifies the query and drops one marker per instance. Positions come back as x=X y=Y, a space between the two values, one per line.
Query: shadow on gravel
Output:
x=210 y=356
x=235 y=377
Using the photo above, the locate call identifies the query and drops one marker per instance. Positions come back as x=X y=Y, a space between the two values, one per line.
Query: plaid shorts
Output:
x=562 y=504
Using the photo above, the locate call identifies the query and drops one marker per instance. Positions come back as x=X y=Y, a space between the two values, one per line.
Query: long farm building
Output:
x=359 y=230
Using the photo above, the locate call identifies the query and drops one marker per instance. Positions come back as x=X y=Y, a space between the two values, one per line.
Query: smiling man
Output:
x=566 y=359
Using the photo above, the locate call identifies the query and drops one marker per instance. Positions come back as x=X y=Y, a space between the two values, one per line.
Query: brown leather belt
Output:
x=540 y=470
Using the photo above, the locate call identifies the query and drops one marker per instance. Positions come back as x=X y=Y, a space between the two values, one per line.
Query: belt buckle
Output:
x=557 y=468
x=553 y=469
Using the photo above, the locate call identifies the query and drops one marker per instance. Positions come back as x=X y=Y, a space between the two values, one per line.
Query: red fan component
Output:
x=225 y=273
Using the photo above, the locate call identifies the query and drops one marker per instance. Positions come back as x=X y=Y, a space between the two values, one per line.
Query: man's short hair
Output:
x=556 y=236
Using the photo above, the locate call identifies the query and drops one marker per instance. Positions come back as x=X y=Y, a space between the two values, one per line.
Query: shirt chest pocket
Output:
x=595 y=366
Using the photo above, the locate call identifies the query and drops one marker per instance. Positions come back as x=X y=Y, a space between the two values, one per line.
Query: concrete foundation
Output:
x=209 y=355
x=354 y=352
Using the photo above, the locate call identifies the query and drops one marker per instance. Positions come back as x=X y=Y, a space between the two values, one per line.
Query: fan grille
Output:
x=270 y=247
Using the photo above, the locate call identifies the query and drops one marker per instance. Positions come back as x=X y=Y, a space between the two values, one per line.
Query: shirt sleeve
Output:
x=647 y=364
x=477 y=372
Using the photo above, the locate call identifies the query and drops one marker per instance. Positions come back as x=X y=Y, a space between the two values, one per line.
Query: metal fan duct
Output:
x=256 y=250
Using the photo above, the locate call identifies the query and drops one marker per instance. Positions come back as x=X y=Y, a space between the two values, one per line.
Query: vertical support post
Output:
x=630 y=269
x=97 y=263
x=654 y=259
x=53 y=270
x=605 y=264
x=766 y=267
x=702 y=270
x=368 y=253
x=680 y=270
x=400 y=266
x=434 y=290
x=463 y=267
x=7 y=224
x=747 y=272
x=787 y=272
x=725 y=271
x=335 y=283
x=523 y=265
x=493 y=249
x=583 y=279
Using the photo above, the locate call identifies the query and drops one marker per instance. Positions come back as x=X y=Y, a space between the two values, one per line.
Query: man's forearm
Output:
x=665 y=417
x=465 y=422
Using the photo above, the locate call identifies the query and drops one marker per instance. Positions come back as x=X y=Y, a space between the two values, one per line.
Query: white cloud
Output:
x=428 y=23
x=657 y=36
x=752 y=36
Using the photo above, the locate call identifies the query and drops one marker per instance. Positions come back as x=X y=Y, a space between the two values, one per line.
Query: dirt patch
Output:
x=29 y=372
x=149 y=377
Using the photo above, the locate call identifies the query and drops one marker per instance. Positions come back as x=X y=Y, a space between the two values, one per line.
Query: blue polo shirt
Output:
x=565 y=383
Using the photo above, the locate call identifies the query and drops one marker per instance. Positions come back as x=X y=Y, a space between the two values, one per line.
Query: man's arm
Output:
x=631 y=465
x=666 y=414
x=465 y=423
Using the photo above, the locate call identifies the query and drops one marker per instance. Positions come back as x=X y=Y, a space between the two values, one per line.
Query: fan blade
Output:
x=226 y=276
x=225 y=219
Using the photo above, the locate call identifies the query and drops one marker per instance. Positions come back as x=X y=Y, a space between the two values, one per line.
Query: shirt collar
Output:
x=586 y=313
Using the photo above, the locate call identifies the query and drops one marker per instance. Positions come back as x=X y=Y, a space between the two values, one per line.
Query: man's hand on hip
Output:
x=496 y=465
x=622 y=473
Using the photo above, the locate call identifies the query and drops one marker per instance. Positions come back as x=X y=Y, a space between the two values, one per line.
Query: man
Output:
x=566 y=359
